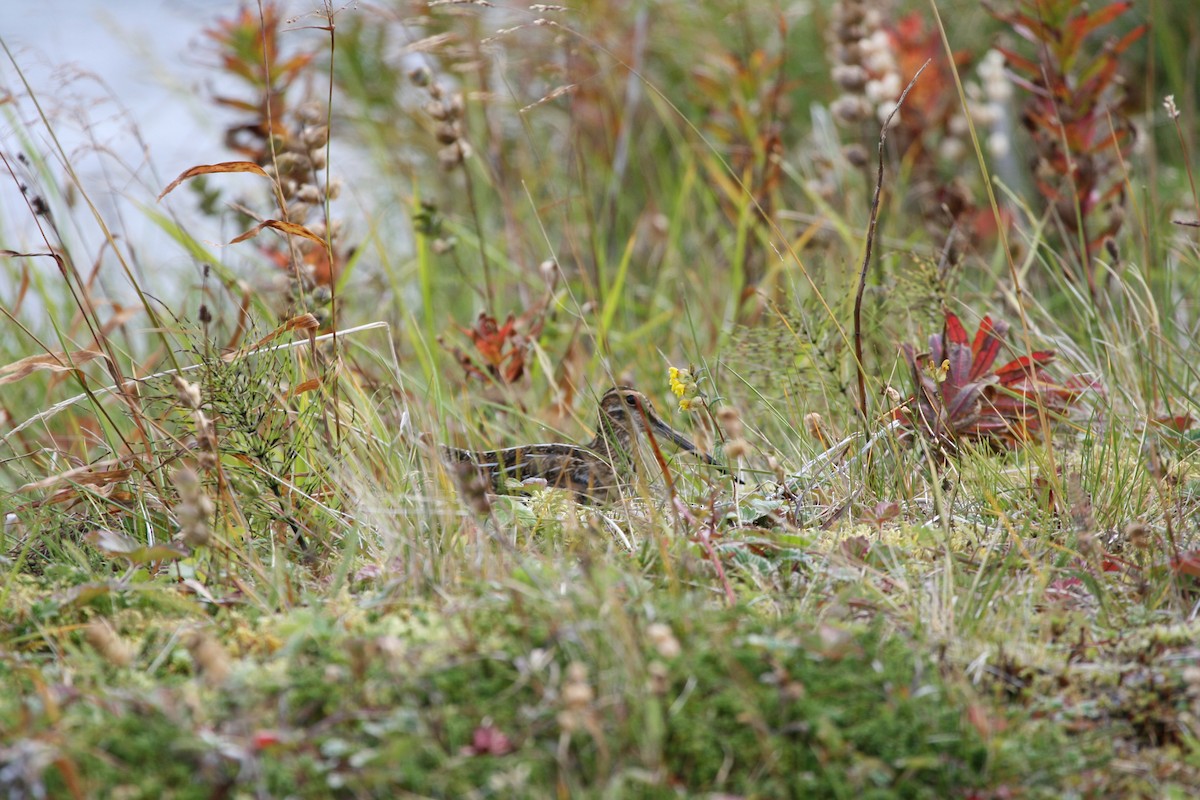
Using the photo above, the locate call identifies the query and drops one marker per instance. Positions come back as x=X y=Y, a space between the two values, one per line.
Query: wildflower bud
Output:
x=310 y=113
x=848 y=14
x=664 y=641
x=210 y=657
x=437 y=110
x=736 y=448
x=729 y=419
x=1137 y=533
x=952 y=149
x=850 y=109
x=577 y=694
x=851 y=31
x=195 y=510
x=189 y=393
x=856 y=154
x=1116 y=217
x=315 y=136
x=291 y=164
x=308 y=194
x=450 y=156
x=194 y=521
x=206 y=460
x=420 y=76
x=187 y=482
x=101 y=636
x=850 y=77
x=1169 y=105
x=333 y=189
x=317 y=159
x=848 y=52
x=815 y=425
x=683 y=386
x=448 y=132
x=297 y=211
x=777 y=468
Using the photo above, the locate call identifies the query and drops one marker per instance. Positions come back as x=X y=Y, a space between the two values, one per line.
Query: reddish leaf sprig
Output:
x=961 y=395
x=1074 y=114
x=499 y=349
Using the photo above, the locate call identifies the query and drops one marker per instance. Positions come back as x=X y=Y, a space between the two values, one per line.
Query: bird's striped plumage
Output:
x=595 y=472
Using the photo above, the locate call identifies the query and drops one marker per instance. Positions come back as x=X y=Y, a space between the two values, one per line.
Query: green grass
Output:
x=330 y=612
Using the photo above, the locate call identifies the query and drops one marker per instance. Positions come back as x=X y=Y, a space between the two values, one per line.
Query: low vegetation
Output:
x=921 y=279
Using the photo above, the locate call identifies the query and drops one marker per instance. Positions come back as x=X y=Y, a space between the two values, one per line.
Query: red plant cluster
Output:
x=244 y=44
x=933 y=100
x=499 y=349
x=960 y=394
x=928 y=119
x=1074 y=114
x=287 y=139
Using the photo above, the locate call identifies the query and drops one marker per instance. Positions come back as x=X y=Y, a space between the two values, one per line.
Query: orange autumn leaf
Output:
x=289 y=228
x=211 y=169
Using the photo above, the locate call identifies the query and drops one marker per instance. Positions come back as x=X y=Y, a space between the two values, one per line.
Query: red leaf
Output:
x=1024 y=367
x=1125 y=41
x=1180 y=423
x=263 y=739
x=1098 y=19
x=487 y=740
x=1016 y=61
x=986 y=346
x=1187 y=564
x=954 y=329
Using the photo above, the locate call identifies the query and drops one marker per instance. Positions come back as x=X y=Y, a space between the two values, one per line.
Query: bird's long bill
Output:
x=681 y=441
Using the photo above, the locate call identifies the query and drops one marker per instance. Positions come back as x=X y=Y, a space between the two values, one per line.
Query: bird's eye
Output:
x=630 y=400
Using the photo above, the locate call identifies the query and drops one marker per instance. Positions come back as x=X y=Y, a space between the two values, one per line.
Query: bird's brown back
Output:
x=594 y=472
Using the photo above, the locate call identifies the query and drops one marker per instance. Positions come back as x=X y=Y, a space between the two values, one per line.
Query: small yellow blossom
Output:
x=939 y=372
x=683 y=385
x=676 y=385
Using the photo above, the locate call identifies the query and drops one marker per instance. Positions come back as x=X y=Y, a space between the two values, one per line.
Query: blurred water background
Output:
x=125 y=86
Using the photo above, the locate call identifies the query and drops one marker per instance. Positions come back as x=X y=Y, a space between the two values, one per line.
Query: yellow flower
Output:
x=683 y=385
x=676 y=385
